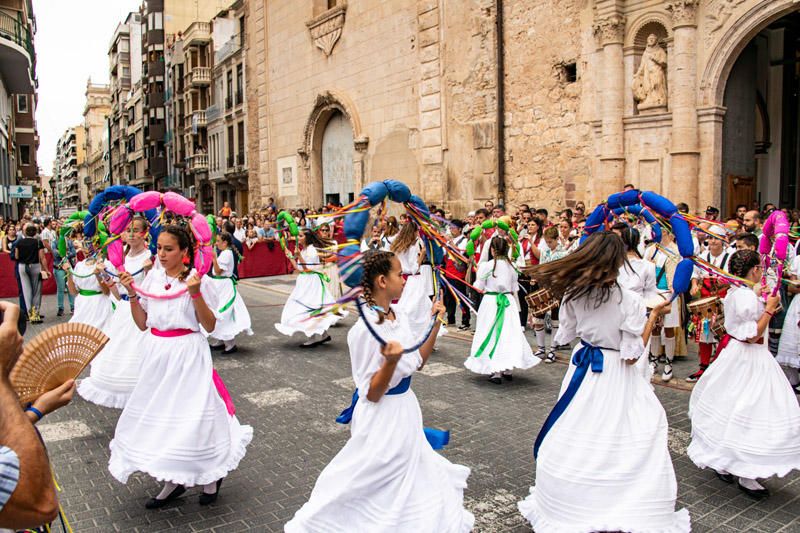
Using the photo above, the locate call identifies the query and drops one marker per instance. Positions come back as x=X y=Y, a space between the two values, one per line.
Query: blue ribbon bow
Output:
x=437 y=438
x=587 y=356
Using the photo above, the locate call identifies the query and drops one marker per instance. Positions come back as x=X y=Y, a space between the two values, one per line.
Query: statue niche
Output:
x=650 y=80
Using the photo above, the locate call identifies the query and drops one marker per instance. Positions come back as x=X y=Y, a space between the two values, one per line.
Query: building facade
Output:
x=96 y=124
x=18 y=84
x=68 y=166
x=227 y=117
x=535 y=102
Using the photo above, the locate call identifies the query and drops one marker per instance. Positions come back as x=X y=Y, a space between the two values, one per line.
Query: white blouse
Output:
x=365 y=350
x=639 y=276
x=134 y=264
x=409 y=258
x=742 y=311
x=616 y=324
x=504 y=278
x=84 y=278
x=225 y=262
x=173 y=313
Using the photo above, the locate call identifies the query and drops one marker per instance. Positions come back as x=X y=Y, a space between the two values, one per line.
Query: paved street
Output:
x=291 y=397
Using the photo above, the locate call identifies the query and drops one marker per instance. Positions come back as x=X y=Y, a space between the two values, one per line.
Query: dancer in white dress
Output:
x=789 y=347
x=665 y=257
x=499 y=344
x=309 y=294
x=92 y=302
x=232 y=315
x=415 y=302
x=331 y=269
x=604 y=464
x=387 y=478
x=115 y=370
x=745 y=417
x=178 y=425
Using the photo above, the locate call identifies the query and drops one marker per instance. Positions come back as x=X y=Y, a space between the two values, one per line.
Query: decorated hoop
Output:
x=168 y=202
x=775 y=230
x=476 y=233
x=73 y=220
x=541 y=301
x=284 y=218
x=101 y=205
x=646 y=204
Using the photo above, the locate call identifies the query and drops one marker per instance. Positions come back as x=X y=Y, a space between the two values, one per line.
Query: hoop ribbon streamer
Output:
x=587 y=356
x=437 y=438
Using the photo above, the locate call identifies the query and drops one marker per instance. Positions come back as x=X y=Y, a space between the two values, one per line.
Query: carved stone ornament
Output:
x=684 y=12
x=610 y=30
x=327 y=28
x=718 y=14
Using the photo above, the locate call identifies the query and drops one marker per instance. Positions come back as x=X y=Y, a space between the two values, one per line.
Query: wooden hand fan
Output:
x=55 y=356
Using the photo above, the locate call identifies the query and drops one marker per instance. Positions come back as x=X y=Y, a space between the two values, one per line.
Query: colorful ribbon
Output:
x=588 y=355
x=497 y=326
x=437 y=438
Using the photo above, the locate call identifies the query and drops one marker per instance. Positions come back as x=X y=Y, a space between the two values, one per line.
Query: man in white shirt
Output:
x=49 y=234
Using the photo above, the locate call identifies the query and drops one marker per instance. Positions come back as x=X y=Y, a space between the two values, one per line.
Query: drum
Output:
x=718 y=324
x=706 y=307
x=540 y=302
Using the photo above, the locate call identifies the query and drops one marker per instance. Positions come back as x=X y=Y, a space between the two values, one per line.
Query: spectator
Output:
x=628 y=187
x=238 y=249
x=49 y=234
x=9 y=239
x=488 y=205
x=30 y=256
x=712 y=213
x=456 y=272
x=252 y=238
x=239 y=231
x=741 y=209
x=27 y=494
x=543 y=214
x=752 y=223
x=61 y=276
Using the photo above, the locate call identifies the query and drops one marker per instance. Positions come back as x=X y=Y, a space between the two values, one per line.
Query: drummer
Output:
x=706 y=285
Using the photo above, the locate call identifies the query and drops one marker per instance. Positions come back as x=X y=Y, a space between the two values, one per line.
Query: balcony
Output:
x=155 y=68
x=197 y=33
x=212 y=113
x=233 y=45
x=199 y=163
x=201 y=76
x=154 y=100
x=17 y=56
x=157 y=166
x=199 y=120
x=156 y=132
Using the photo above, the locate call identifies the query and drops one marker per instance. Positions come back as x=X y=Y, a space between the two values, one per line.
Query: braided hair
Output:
x=630 y=236
x=742 y=261
x=374 y=263
x=499 y=251
x=185 y=243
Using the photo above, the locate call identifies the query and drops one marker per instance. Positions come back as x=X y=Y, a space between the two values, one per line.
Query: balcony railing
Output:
x=199 y=120
x=199 y=162
x=212 y=113
x=228 y=49
x=197 y=33
x=12 y=29
x=201 y=76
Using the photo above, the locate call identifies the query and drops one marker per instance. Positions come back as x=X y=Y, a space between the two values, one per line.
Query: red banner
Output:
x=264 y=260
x=8 y=280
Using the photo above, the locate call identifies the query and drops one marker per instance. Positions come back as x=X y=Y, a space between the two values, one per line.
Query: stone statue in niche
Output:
x=650 y=81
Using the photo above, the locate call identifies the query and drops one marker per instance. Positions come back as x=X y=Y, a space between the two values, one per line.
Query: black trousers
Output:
x=450 y=303
x=525 y=289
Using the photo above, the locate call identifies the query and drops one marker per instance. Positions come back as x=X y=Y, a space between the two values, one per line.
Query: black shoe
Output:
x=155 y=503
x=508 y=377
x=232 y=350
x=208 y=499
x=451 y=324
x=758 y=494
x=727 y=478
x=217 y=347
x=796 y=388
x=60 y=312
x=496 y=381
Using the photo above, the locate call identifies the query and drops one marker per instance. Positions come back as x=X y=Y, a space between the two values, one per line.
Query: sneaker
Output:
x=694 y=377
x=540 y=353
x=667 y=375
x=551 y=356
x=60 y=312
x=463 y=327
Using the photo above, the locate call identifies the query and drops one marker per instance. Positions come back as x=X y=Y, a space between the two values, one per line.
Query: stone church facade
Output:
x=695 y=99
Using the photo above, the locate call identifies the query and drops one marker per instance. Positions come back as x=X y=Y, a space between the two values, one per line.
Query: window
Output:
x=22 y=103
x=229 y=92
x=25 y=154
x=240 y=138
x=242 y=31
x=239 y=83
x=230 y=146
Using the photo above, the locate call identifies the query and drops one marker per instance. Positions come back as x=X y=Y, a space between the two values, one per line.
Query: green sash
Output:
x=497 y=326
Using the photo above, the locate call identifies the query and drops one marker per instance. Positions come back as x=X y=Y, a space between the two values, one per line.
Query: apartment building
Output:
x=67 y=168
x=196 y=96
x=227 y=116
x=18 y=138
x=96 y=114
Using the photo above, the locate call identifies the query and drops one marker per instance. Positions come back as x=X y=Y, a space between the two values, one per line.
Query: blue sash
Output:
x=586 y=356
x=437 y=438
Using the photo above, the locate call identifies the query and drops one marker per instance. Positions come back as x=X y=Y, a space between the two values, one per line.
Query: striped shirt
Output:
x=9 y=474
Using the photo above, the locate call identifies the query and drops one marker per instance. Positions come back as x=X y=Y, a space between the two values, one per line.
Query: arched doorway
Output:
x=748 y=114
x=337 y=160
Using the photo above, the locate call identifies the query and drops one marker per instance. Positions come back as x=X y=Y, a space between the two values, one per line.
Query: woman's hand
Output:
x=56 y=398
x=45 y=274
x=661 y=309
x=65 y=266
x=773 y=303
x=193 y=284
x=126 y=280
x=392 y=351
x=438 y=309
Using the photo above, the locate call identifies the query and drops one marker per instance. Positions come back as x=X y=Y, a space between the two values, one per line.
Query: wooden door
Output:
x=739 y=190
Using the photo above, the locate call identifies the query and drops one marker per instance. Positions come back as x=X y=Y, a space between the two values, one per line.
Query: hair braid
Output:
x=742 y=261
x=374 y=264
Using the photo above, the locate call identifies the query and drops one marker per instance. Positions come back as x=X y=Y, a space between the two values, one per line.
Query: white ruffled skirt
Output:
x=605 y=465
x=232 y=315
x=511 y=350
x=789 y=346
x=310 y=293
x=115 y=370
x=387 y=478
x=94 y=310
x=175 y=426
x=745 y=416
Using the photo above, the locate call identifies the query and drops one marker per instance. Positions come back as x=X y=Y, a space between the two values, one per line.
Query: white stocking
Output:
x=751 y=484
x=669 y=348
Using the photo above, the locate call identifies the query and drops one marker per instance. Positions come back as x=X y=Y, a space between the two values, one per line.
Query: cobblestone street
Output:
x=291 y=397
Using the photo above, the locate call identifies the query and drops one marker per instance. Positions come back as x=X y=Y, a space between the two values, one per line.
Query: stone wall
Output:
x=549 y=144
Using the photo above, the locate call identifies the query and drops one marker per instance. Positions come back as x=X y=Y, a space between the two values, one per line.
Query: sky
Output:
x=71 y=41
